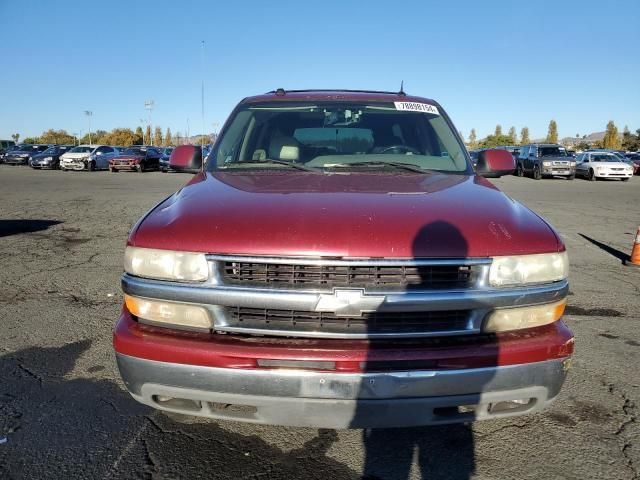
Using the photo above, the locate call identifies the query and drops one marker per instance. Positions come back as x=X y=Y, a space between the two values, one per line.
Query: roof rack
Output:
x=282 y=91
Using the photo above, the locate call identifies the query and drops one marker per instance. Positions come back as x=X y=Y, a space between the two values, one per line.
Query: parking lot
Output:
x=65 y=414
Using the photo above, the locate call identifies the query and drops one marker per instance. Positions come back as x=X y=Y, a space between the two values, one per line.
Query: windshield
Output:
x=327 y=135
x=134 y=151
x=82 y=149
x=604 y=157
x=552 y=152
x=51 y=150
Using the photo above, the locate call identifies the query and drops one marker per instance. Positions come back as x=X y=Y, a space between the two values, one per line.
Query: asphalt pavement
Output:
x=64 y=412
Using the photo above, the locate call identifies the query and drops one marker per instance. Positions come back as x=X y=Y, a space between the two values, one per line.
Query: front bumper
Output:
x=558 y=171
x=80 y=165
x=613 y=174
x=16 y=161
x=219 y=376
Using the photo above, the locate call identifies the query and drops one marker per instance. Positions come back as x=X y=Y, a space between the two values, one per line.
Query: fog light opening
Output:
x=173 y=403
x=512 y=405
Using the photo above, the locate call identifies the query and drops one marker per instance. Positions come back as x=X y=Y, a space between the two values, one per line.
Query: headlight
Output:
x=506 y=319
x=166 y=264
x=546 y=164
x=572 y=164
x=169 y=313
x=47 y=159
x=528 y=269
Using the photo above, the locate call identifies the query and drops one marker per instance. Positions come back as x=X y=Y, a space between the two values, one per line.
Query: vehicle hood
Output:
x=42 y=156
x=128 y=157
x=75 y=156
x=557 y=159
x=610 y=164
x=344 y=215
x=20 y=154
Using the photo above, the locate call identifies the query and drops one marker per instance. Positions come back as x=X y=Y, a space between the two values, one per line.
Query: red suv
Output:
x=337 y=262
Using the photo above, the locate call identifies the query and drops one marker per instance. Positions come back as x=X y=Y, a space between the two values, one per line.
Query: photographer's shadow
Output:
x=436 y=451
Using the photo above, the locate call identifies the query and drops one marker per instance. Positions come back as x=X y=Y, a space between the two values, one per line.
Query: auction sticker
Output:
x=417 y=107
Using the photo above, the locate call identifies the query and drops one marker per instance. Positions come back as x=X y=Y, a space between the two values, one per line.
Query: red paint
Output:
x=135 y=159
x=229 y=351
x=357 y=215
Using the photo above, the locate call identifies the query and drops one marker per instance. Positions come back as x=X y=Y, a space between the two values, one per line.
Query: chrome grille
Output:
x=323 y=276
x=373 y=323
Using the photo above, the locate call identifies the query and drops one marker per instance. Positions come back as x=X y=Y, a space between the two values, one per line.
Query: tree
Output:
x=631 y=142
x=524 y=135
x=157 y=137
x=552 y=133
x=16 y=137
x=61 y=137
x=611 y=138
x=473 y=139
x=512 y=134
x=147 y=135
x=124 y=137
x=167 y=138
x=30 y=140
x=96 y=137
x=495 y=140
x=498 y=132
x=139 y=134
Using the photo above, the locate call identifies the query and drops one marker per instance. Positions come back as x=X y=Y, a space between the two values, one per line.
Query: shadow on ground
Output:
x=57 y=427
x=14 y=227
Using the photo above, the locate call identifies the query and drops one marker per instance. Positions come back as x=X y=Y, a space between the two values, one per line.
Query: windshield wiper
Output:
x=405 y=166
x=281 y=162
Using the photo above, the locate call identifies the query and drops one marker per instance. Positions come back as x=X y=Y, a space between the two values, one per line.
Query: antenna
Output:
x=401 y=92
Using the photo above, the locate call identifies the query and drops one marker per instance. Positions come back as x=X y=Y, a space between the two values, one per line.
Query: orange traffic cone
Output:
x=634 y=258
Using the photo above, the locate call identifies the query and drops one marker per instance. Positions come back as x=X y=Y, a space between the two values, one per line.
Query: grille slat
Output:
x=369 y=323
x=318 y=276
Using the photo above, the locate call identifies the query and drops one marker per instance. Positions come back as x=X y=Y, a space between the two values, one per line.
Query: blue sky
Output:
x=577 y=62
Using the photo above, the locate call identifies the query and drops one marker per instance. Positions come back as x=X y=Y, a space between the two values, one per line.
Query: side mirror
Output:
x=495 y=163
x=186 y=158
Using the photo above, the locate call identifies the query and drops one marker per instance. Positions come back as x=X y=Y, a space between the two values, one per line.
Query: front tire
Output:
x=139 y=168
x=571 y=177
x=592 y=176
x=113 y=170
x=520 y=171
x=537 y=174
x=92 y=166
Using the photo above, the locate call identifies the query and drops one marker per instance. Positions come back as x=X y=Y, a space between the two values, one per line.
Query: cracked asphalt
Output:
x=65 y=414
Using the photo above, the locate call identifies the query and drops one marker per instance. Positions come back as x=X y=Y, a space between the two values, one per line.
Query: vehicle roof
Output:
x=328 y=95
x=542 y=145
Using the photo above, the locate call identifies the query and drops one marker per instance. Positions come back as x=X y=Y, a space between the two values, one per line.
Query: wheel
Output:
x=63 y=169
x=113 y=170
x=520 y=170
x=139 y=168
x=592 y=175
x=92 y=166
x=571 y=177
x=537 y=174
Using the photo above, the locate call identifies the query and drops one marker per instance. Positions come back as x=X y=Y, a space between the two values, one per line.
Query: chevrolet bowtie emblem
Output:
x=348 y=303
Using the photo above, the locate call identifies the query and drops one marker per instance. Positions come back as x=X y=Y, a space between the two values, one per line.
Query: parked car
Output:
x=22 y=154
x=340 y=264
x=635 y=159
x=622 y=156
x=5 y=146
x=88 y=157
x=139 y=159
x=542 y=160
x=164 y=159
x=513 y=150
x=50 y=158
x=598 y=165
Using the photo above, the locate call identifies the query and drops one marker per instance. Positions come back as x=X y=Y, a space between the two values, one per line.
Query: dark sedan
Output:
x=23 y=154
x=164 y=159
x=137 y=159
x=50 y=158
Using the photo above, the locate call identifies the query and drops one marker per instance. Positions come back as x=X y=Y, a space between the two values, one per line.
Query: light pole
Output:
x=149 y=104
x=202 y=95
x=89 y=114
x=75 y=138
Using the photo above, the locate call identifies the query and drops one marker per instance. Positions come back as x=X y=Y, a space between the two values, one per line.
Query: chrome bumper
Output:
x=343 y=400
x=214 y=297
